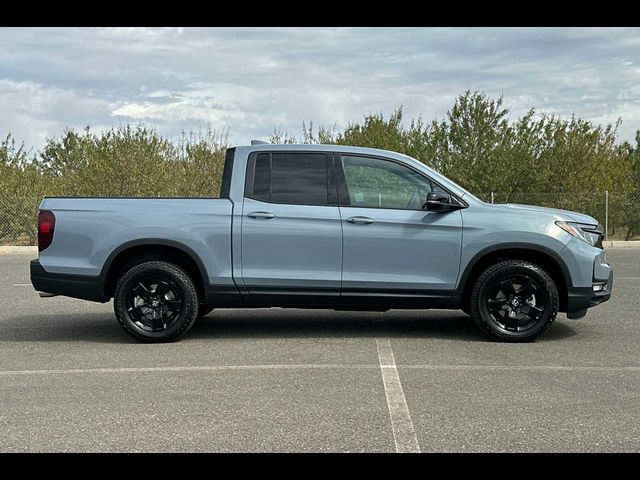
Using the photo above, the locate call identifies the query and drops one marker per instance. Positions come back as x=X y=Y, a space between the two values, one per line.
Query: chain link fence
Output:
x=618 y=212
x=373 y=198
x=18 y=220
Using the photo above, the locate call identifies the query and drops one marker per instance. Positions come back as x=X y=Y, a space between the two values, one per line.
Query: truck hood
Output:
x=569 y=215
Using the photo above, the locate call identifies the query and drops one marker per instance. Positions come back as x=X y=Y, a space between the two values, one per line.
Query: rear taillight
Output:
x=46 y=225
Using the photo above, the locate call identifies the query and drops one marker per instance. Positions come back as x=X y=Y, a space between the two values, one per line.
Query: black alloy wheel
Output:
x=514 y=300
x=156 y=301
x=516 y=303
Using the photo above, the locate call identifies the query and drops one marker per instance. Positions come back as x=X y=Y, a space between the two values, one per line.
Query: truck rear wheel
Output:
x=156 y=302
x=514 y=301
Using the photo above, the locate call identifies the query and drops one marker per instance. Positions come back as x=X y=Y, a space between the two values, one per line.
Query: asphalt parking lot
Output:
x=292 y=380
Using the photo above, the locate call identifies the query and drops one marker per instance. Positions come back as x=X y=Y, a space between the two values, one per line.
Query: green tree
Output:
x=21 y=184
x=536 y=158
x=200 y=163
x=632 y=204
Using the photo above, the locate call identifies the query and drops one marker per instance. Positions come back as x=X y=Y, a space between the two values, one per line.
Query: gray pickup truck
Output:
x=322 y=226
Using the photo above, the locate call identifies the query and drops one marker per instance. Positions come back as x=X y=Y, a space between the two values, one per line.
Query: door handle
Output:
x=360 y=220
x=263 y=215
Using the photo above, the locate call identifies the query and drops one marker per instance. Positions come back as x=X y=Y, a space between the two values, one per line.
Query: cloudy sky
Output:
x=251 y=80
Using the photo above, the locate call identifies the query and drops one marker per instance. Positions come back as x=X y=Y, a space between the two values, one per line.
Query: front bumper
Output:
x=581 y=298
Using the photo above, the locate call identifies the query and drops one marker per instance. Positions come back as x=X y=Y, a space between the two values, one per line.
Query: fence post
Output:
x=491 y=197
x=606 y=215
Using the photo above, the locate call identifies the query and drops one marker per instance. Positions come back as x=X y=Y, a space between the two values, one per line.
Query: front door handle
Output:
x=360 y=220
x=263 y=215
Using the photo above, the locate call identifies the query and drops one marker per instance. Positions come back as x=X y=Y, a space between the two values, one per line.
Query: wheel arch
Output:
x=546 y=258
x=142 y=250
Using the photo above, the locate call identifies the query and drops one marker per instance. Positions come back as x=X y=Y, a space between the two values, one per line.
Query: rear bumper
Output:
x=580 y=299
x=77 y=286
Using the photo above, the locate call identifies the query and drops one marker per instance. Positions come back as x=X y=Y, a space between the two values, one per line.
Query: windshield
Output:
x=466 y=193
x=447 y=182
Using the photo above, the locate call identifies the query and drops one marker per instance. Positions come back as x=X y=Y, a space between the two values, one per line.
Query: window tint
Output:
x=296 y=178
x=225 y=186
x=384 y=184
x=262 y=178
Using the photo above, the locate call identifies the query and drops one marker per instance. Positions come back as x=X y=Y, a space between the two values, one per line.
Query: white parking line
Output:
x=585 y=368
x=404 y=433
x=212 y=368
x=21 y=284
x=198 y=368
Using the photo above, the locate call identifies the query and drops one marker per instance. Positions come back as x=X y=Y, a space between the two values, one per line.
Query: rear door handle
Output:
x=360 y=220
x=263 y=215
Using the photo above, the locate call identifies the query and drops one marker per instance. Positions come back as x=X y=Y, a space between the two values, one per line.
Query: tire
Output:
x=514 y=301
x=152 y=318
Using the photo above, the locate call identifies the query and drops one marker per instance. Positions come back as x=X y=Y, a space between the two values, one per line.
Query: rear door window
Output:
x=292 y=178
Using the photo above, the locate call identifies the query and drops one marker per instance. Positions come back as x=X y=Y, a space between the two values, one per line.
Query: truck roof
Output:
x=324 y=147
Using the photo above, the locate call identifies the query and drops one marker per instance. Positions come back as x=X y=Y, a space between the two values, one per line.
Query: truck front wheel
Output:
x=156 y=302
x=514 y=300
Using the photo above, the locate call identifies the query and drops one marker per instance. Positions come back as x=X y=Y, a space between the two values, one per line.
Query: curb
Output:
x=15 y=250
x=621 y=244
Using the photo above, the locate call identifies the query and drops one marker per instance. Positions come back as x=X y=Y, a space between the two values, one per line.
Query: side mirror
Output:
x=439 y=202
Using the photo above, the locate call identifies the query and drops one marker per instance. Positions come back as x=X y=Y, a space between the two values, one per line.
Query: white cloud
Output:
x=252 y=79
x=33 y=111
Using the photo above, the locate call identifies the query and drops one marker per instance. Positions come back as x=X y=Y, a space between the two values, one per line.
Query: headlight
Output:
x=572 y=229
x=591 y=236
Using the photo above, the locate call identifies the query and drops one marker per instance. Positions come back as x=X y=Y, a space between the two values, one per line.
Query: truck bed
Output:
x=89 y=230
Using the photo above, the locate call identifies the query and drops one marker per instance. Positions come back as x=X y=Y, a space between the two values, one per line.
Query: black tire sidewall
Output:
x=187 y=316
x=487 y=281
